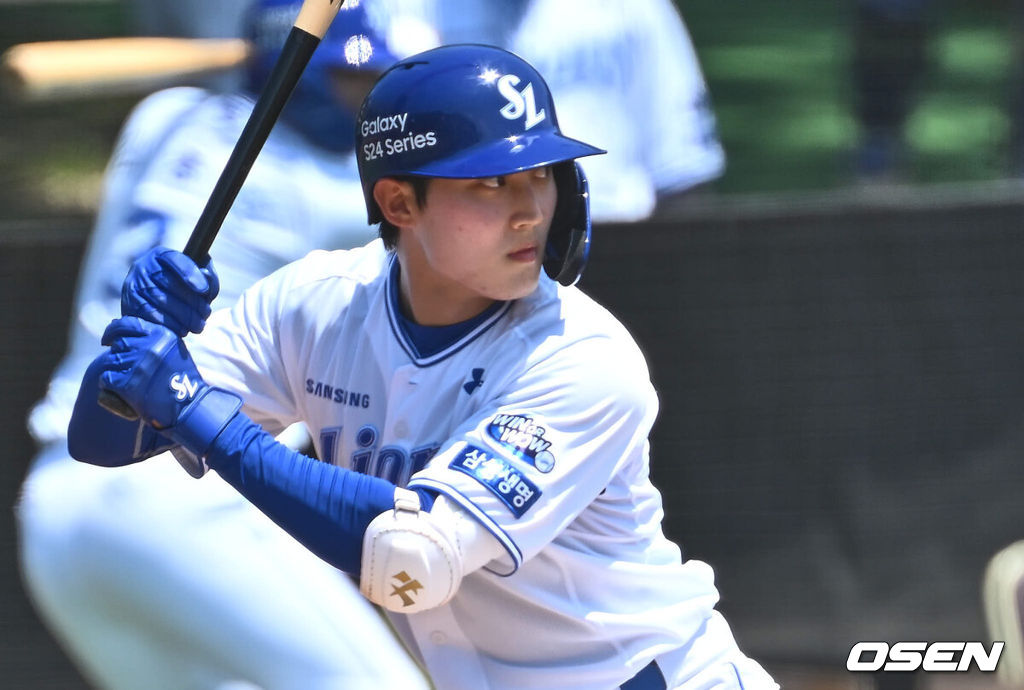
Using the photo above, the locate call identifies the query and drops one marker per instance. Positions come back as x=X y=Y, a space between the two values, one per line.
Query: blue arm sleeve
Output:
x=98 y=437
x=325 y=507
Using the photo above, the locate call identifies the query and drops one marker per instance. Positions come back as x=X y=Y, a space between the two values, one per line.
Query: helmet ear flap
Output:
x=568 y=245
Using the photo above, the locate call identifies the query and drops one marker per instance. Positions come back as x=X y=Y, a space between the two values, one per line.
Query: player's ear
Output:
x=397 y=201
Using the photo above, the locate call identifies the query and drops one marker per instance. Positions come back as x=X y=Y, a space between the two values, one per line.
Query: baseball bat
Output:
x=315 y=16
x=51 y=70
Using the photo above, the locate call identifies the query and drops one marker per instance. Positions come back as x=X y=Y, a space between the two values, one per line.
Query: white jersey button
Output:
x=438 y=637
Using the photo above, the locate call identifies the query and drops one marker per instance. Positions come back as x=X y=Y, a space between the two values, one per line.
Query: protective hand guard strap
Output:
x=199 y=424
x=411 y=562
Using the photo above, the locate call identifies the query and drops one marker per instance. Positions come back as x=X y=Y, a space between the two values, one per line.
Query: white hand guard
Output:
x=411 y=560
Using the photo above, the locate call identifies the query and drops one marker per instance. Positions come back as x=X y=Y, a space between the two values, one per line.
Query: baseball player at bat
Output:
x=147 y=578
x=480 y=424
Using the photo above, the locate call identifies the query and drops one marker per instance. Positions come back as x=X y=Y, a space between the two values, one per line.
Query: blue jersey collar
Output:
x=427 y=345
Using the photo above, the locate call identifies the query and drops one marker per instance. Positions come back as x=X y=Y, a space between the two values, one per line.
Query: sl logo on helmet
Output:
x=519 y=102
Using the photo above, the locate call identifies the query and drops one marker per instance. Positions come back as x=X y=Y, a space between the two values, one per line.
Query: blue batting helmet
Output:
x=351 y=43
x=471 y=111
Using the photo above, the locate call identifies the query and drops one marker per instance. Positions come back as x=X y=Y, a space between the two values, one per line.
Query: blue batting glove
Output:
x=100 y=438
x=149 y=367
x=166 y=287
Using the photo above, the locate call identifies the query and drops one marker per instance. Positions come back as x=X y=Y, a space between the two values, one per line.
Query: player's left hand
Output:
x=150 y=368
x=166 y=287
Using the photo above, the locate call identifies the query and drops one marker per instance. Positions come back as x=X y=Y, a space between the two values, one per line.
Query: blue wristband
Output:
x=204 y=418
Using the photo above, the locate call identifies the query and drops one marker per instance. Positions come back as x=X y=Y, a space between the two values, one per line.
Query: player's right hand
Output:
x=150 y=368
x=166 y=287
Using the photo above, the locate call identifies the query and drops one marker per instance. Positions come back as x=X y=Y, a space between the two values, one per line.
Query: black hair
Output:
x=388 y=232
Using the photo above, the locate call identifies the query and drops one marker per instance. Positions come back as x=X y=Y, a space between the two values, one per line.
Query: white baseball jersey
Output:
x=535 y=421
x=626 y=78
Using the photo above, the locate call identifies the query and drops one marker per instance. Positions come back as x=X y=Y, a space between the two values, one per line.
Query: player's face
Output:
x=479 y=240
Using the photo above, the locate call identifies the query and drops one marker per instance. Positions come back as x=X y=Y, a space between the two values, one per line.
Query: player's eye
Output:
x=493 y=182
x=542 y=172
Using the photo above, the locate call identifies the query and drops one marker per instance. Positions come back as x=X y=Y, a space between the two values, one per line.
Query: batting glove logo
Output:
x=184 y=388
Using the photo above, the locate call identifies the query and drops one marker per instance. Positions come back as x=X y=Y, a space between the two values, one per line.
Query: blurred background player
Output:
x=147 y=579
x=625 y=76
x=597 y=58
x=1003 y=599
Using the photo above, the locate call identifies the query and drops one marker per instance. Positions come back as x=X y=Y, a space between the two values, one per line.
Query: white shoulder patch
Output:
x=411 y=561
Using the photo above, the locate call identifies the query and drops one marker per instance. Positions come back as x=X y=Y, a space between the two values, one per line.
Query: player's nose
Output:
x=528 y=199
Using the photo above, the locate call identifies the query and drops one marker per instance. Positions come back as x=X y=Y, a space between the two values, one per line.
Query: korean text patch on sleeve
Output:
x=499 y=476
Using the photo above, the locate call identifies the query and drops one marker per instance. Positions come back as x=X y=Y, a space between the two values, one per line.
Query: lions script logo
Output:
x=184 y=388
x=406 y=585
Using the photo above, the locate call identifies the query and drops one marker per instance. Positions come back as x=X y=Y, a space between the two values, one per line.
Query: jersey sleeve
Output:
x=532 y=459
